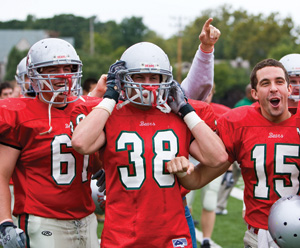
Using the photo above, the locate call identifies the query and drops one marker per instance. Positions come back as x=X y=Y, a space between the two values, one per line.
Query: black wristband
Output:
x=6 y=224
x=184 y=110
x=112 y=94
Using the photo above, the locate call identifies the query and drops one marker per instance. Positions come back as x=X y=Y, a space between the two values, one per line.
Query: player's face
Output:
x=57 y=83
x=272 y=92
x=295 y=82
x=145 y=78
x=6 y=93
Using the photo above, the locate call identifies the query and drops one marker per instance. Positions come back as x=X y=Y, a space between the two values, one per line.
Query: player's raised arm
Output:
x=207 y=147
x=199 y=81
x=86 y=138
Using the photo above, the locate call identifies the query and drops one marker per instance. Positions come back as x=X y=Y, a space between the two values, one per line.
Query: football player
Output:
x=23 y=80
x=144 y=204
x=53 y=200
x=291 y=62
x=263 y=139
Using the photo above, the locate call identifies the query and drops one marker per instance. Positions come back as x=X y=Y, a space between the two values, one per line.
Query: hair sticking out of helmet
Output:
x=284 y=221
x=146 y=58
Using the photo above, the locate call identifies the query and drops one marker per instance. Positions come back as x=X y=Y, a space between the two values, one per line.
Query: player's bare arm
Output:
x=207 y=147
x=86 y=138
x=9 y=158
x=194 y=177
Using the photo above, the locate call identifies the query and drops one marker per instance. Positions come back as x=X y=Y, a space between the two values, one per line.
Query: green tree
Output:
x=14 y=58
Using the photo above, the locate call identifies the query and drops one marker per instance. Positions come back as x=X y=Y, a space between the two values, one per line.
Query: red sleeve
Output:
x=8 y=125
x=206 y=113
x=82 y=110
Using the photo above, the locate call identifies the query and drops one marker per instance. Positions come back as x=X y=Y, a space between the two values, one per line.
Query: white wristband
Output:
x=106 y=104
x=181 y=174
x=192 y=119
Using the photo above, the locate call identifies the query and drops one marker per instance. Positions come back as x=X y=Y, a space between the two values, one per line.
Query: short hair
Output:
x=5 y=85
x=266 y=63
x=87 y=83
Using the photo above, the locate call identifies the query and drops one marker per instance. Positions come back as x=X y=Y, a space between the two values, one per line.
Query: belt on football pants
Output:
x=253 y=229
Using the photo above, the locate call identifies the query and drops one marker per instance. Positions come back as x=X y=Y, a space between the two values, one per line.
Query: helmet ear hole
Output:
x=284 y=221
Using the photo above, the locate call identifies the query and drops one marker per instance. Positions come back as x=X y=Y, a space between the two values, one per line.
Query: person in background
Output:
x=88 y=85
x=6 y=90
x=248 y=99
x=291 y=63
x=209 y=192
x=23 y=80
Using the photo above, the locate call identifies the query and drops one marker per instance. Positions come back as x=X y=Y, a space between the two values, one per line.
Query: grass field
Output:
x=229 y=229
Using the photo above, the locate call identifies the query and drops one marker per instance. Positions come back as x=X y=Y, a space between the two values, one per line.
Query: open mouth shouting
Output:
x=274 y=101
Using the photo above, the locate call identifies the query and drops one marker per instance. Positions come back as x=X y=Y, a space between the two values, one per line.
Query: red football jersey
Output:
x=269 y=157
x=50 y=178
x=219 y=109
x=144 y=206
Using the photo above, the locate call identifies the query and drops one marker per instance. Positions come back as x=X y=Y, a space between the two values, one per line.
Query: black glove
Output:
x=11 y=236
x=113 y=83
x=228 y=179
x=178 y=101
x=100 y=176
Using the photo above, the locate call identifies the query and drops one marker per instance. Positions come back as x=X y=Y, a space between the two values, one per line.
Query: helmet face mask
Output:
x=295 y=82
x=291 y=63
x=145 y=59
x=53 y=53
x=284 y=221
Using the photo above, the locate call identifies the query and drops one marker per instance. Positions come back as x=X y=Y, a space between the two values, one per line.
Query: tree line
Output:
x=244 y=35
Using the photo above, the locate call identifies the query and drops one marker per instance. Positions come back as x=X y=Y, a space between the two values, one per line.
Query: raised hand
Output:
x=113 y=82
x=178 y=101
x=209 y=36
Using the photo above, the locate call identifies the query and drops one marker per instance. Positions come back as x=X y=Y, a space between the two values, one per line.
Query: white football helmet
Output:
x=284 y=221
x=26 y=88
x=51 y=52
x=145 y=57
x=99 y=198
x=291 y=63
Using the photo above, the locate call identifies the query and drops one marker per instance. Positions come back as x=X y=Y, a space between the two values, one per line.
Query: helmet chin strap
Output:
x=55 y=94
x=165 y=108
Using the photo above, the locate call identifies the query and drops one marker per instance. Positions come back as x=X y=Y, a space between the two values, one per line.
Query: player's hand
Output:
x=114 y=77
x=11 y=236
x=228 y=179
x=178 y=101
x=100 y=176
x=180 y=166
x=209 y=36
x=100 y=88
